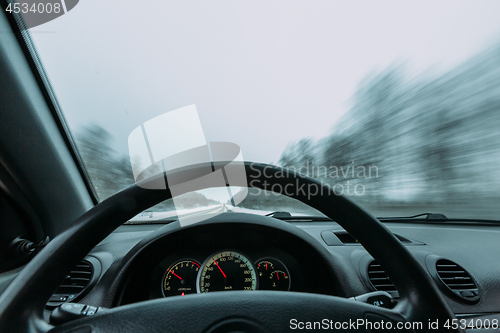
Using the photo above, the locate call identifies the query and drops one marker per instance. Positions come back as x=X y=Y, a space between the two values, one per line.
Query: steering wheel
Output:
x=22 y=303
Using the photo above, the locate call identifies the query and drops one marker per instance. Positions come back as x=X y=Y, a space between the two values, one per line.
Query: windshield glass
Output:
x=394 y=104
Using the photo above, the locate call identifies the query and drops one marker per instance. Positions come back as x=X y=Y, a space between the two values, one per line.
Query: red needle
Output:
x=266 y=266
x=278 y=276
x=220 y=268
x=176 y=275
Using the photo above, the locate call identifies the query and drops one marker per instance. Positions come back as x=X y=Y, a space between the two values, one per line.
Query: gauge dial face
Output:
x=180 y=278
x=279 y=280
x=273 y=275
x=227 y=270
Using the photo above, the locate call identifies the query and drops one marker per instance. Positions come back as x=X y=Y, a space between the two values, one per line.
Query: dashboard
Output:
x=248 y=252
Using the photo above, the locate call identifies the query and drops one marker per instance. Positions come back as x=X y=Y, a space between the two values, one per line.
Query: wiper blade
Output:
x=286 y=216
x=279 y=214
x=160 y=221
x=438 y=218
x=428 y=216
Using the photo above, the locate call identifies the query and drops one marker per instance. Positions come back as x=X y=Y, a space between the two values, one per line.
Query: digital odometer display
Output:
x=227 y=270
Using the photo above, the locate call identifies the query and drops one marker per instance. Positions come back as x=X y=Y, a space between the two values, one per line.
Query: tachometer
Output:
x=180 y=278
x=227 y=270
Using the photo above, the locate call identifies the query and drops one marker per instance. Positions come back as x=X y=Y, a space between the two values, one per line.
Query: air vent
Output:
x=77 y=282
x=458 y=282
x=379 y=279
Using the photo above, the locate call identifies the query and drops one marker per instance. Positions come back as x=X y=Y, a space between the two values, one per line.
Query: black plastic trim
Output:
x=35 y=63
x=96 y=266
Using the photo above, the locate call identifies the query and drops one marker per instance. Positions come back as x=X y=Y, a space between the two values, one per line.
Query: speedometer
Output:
x=227 y=270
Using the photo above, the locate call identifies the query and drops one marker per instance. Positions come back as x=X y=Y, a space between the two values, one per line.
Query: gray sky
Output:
x=261 y=73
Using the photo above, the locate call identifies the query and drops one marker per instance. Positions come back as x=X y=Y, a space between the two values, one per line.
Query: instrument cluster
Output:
x=223 y=270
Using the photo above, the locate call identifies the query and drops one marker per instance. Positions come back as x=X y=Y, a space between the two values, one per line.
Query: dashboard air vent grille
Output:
x=379 y=279
x=77 y=279
x=457 y=280
x=73 y=285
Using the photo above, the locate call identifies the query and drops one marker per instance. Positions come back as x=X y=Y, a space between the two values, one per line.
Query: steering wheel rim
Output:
x=22 y=303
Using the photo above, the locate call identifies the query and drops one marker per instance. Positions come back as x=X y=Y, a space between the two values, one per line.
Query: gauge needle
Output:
x=220 y=269
x=176 y=275
x=278 y=276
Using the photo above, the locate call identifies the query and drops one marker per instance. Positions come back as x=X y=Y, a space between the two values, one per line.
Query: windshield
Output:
x=394 y=104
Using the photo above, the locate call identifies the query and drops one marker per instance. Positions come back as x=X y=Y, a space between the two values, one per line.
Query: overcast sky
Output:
x=261 y=73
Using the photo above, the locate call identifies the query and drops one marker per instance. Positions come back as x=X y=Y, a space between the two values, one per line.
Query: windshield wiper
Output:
x=428 y=216
x=438 y=218
x=286 y=216
x=279 y=214
x=159 y=221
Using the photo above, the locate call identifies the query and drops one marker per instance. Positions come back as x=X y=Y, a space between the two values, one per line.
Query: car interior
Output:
x=70 y=262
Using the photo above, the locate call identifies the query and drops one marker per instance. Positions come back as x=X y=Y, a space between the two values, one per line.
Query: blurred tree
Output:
x=299 y=155
x=111 y=172
x=108 y=171
x=435 y=139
